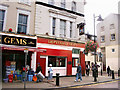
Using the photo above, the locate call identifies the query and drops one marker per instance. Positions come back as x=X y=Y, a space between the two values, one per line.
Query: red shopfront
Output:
x=59 y=54
x=12 y=48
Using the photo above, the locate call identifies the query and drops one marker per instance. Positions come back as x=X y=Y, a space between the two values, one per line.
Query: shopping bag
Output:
x=41 y=75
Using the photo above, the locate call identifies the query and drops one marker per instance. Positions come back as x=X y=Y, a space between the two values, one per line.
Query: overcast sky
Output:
x=103 y=7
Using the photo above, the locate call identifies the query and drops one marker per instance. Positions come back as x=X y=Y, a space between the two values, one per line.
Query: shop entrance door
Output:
x=42 y=62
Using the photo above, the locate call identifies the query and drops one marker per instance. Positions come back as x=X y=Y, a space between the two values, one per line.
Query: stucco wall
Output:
x=112 y=57
x=12 y=9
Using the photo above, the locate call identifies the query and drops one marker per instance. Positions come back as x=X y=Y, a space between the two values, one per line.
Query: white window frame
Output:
x=63 y=34
x=5 y=17
x=28 y=22
x=53 y=26
x=27 y=2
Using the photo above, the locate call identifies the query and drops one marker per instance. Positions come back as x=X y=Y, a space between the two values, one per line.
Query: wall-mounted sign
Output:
x=19 y=41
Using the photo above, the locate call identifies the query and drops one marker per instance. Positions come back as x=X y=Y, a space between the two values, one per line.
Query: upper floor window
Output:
x=76 y=51
x=102 y=28
x=70 y=29
x=51 y=2
x=112 y=26
x=63 y=3
x=62 y=28
x=25 y=2
x=53 y=26
x=73 y=6
x=113 y=50
x=102 y=38
x=112 y=36
x=2 y=16
x=22 y=24
x=23 y=21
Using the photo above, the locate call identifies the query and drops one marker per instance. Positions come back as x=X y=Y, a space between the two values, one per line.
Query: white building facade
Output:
x=108 y=38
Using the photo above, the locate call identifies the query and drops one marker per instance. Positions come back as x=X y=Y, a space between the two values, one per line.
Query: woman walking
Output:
x=50 y=73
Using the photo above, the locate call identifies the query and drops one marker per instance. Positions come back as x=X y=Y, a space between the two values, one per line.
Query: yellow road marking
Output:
x=94 y=84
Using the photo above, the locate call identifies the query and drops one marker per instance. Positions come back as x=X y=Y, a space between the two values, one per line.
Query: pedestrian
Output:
x=87 y=69
x=39 y=70
x=50 y=73
x=79 y=73
x=108 y=70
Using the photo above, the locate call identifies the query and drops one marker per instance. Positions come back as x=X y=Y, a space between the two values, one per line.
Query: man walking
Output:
x=78 y=74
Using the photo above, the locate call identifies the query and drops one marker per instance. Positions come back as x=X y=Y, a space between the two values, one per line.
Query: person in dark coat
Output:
x=39 y=69
x=108 y=71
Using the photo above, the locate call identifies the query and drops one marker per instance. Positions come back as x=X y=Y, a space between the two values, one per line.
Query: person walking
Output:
x=87 y=69
x=50 y=73
x=38 y=70
x=79 y=73
x=108 y=70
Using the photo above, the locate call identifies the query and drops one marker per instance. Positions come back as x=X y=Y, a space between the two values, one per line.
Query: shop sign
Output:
x=58 y=42
x=19 y=41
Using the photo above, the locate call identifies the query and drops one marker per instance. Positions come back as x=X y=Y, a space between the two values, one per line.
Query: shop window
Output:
x=75 y=62
x=57 y=61
x=76 y=51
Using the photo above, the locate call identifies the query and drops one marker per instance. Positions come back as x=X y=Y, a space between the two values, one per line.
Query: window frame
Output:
x=112 y=26
x=73 y=8
x=57 y=61
x=53 y=26
x=71 y=26
x=102 y=28
x=74 y=63
x=73 y=51
x=63 y=4
x=63 y=32
x=111 y=37
x=27 y=2
x=24 y=12
x=51 y=2
x=101 y=38
x=5 y=17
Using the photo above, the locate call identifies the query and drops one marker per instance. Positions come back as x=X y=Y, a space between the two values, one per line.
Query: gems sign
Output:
x=19 y=41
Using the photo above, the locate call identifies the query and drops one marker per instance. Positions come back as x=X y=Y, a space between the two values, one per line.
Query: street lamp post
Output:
x=95 y=67
x=26 y=53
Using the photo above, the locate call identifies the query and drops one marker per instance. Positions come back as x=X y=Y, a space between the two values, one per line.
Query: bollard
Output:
x=113 y=77
x=119 y=72
x=57 y=79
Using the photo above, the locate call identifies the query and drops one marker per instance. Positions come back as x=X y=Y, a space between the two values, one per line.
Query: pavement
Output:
x=64 y=82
